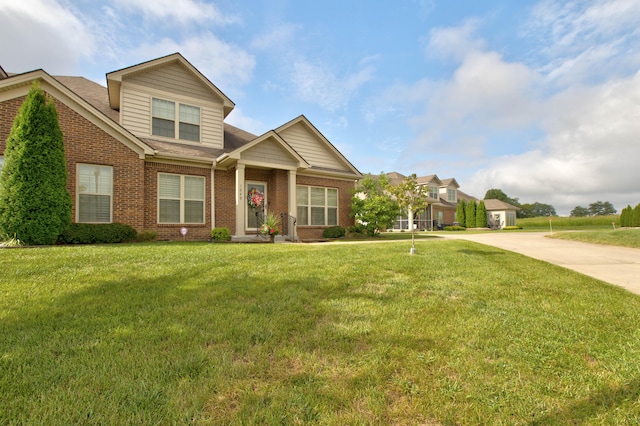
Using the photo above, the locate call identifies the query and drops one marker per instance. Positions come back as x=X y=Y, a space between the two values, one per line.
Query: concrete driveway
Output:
x=615 y=265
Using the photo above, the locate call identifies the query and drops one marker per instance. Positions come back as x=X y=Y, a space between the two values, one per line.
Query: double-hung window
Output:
x=451 y=195
x=165 y=114
x=433 y=192
x=317 y=206
x=95 y=193
x=180 y=198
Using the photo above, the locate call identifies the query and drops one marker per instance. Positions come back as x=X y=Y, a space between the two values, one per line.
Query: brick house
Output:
x=444 y=195
x=152 y=150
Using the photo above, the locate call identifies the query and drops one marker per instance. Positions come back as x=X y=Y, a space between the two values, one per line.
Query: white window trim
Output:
x=326 y=206
x=182 y=200
x=176 y=120
x=78 y=193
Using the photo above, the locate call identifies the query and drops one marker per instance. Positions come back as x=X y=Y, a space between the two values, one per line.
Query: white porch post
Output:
x=213 y=199
x=240 y=200
x=292 y=200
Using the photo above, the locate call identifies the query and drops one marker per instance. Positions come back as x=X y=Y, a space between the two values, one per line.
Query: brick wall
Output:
x=87 y=143
x=344 y=204
x=172 y=231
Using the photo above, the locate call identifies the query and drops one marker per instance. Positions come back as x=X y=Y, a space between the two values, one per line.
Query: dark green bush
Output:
x=455 y=228
x=334 y=232
x=146 y=236
x=91 y=233
x=220 y=234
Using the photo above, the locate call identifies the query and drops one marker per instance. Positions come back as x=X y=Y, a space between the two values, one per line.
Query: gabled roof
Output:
x=71 y=98
x=425 y=180
x=230 y=158
x=352 y=171
x=3 y=74
x=395 y=178
x=114 y=79
x=450 y=182
x=493 y=204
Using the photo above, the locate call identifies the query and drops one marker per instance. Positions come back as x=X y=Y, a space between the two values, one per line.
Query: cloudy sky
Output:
x=538 y=98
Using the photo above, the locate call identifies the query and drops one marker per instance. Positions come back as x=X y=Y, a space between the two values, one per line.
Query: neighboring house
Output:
x=443 y=198
x=500 y=214
x=152 y=150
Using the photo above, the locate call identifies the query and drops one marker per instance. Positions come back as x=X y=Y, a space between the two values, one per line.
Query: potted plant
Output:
x=271 y=226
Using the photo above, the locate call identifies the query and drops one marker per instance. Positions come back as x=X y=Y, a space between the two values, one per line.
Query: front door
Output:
x=256 y=202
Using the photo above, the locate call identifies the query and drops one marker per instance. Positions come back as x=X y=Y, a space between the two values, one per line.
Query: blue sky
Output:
x=538 y=98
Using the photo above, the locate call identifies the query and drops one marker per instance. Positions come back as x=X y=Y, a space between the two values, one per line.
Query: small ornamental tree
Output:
x=35 y=205
x=372 y=208
x=470 y=214
x=461 y=212
x=411 y=198
x=481 y=215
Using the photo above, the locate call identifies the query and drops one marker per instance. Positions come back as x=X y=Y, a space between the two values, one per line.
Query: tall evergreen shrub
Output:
x=461 y=212
x=481 y=215
x=626 y=216
x=470 y=214
x=35 y=205
x=635 y=221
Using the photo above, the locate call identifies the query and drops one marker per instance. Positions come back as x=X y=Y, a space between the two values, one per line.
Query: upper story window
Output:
x=164 y=116
x=433 y=192
x=451 y=195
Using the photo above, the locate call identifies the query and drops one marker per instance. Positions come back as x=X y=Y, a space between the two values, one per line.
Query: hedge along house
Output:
x=152 y=150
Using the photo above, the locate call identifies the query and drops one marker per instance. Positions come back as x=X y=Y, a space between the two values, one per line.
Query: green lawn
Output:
x=196 y=333
x=619 y=237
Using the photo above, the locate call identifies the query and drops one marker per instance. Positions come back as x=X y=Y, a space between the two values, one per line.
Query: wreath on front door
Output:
x=255 y=198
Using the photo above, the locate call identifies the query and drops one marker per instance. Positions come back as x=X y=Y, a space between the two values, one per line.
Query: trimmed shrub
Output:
x=146 y=236
x=334 y=232
x=35 y=204
x=455 y=228
x=92 y=233
x=481 y=215
x=511 y=228
x=221 y=234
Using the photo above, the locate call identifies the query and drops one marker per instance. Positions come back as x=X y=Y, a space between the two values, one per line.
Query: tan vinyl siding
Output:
x=175 y=79
x=314 y=151
x=270 y=152
x=136 y=114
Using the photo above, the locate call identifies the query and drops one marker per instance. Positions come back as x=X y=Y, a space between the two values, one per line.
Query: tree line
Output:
x=536 y=209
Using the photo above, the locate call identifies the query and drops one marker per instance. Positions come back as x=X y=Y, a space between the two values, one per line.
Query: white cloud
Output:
x=317 y=83
x=589 y=153
x=277 y=38
x=238 y=119
x=55 y=36
x=454 y=42
x=583 y=41
x=178 y=11
x=226 y=65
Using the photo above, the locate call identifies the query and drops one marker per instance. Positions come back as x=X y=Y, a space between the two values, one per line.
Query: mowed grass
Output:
x=189 y=333
x=619 y=237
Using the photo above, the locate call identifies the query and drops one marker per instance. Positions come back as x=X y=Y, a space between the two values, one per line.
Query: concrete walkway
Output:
x=615 y=265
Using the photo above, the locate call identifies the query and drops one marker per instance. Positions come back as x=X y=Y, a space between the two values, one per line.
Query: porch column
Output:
x=240 y=200
x=292 y=200
x=213 y=199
